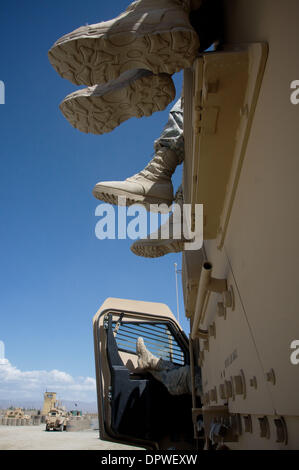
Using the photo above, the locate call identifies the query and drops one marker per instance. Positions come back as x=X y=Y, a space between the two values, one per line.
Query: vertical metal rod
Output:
x=177 y=291
x=192 y=370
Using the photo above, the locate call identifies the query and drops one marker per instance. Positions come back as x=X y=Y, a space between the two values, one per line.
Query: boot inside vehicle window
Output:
x=158 y=339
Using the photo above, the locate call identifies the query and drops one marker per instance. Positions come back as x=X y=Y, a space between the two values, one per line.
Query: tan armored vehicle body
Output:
x=242 y=165
x=56 y=420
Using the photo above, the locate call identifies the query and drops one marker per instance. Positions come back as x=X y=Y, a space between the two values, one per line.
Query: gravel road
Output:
x=36 y=438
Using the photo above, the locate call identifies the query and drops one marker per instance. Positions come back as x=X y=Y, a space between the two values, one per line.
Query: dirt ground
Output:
x=36 y=438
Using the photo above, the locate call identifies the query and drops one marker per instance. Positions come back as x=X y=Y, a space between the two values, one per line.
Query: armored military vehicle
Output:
x=241 y=105
x=17 y=413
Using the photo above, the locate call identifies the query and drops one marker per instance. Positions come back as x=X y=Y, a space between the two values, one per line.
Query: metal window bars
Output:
x=157 y=337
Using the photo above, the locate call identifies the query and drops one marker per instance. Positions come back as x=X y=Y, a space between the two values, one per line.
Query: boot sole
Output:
x=110 y=196
x=157 y=248
x=95 y=58
x=102 y=108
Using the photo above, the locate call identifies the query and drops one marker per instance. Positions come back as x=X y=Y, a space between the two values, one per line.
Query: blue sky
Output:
x=54 y=272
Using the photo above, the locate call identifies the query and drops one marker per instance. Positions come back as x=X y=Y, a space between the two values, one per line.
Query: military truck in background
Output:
x=17 y=413
x=56 y=420
x=241 y=116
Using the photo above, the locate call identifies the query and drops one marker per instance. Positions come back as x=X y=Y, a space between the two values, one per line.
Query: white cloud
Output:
x=18 y=384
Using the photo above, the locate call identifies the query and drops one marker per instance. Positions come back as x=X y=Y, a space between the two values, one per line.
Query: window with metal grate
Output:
x=158 y=338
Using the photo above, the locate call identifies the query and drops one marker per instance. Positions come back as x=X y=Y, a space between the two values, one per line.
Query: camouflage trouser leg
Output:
x=173 y=135
x=177 y=380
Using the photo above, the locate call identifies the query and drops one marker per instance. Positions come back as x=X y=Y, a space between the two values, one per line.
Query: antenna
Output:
x=177 y=291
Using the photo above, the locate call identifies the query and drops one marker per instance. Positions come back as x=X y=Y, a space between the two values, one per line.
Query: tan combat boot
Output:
x=151 y=186
x=101 y=108
x=155 y=35
x=146 y=360
x=162 y=241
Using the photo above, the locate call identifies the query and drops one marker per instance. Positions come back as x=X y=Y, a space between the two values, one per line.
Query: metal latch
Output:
x=106 y=323
x=118 y=324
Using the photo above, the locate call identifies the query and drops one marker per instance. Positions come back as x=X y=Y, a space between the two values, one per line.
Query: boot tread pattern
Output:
x=155 y=251
x=111 y=198
x=90 y=61
x=96 y=114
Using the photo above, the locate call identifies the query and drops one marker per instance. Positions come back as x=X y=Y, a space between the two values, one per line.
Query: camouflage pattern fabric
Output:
x=173 y=133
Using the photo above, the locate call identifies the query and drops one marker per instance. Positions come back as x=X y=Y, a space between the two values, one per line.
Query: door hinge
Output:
x=106 y=323
x=110 y=393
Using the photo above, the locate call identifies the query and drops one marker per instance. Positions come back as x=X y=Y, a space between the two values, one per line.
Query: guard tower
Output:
x=49 y=402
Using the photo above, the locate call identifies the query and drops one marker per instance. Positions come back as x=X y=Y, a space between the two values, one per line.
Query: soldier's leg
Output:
x=172 y=135
x=153 y=184
x=169 y=238
x=176 y=379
